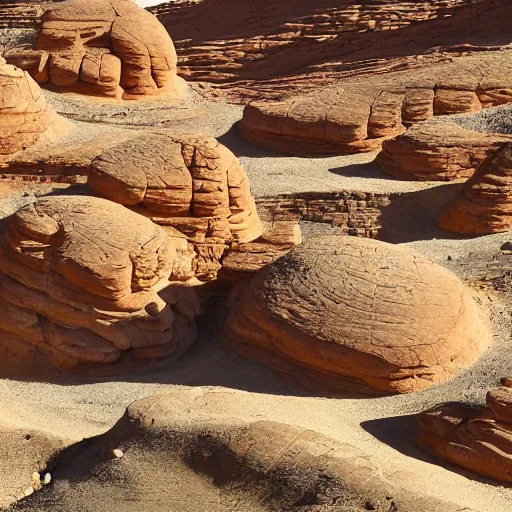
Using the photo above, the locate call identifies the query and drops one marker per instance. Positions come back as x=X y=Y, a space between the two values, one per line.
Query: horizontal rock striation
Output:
x=25 y=115
x=358 y=315
x=271 y=48
x=476 y=438
x=485 y=204
x=357 y=116
x=438 y=152
x=84 y=280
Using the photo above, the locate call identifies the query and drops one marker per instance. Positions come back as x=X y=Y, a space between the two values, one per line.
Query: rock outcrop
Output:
x=264 y=48
x=102 y=46
x=84 y=280
x=485 y=203
x=474 y=437
x=350 y=314
x=193 y=184
x=357 y=116
x=25 y=116
x=435 y=151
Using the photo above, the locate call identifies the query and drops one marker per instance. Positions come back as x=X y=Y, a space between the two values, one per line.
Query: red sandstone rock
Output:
x=100 y=46
x=484 y=205
x=476 y=438
x=356 y=116
x=191 y=183
x=84 y=280
x=437 y=152
x=25 y=116
x=350 y=314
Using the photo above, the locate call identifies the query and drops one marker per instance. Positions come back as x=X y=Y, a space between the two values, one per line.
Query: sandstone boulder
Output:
x=476 y=438
x=435 y=151
x=84 y=280
x=350 y=314
x=484 y=205
x=101 y=46
x=25 y=116
x=359 y=115
x=193 y=184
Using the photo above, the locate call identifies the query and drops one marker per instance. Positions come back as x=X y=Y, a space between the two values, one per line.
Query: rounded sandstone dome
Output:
x=352 y=314
x=24 y=113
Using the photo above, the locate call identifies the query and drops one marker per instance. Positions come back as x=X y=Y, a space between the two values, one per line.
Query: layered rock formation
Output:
x=100 y=47
x=268 y=48
x=25 y=116
x=437 y=151
x=191 y=183
x=84 y=280
x=485 y=203
x=357 y=116
x=348 y=314
x=476 y=438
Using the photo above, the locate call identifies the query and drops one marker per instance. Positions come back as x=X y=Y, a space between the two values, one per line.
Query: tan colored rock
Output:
x=101 y=46
x=484 y=205
x=349 y=314
x=435 y=151
x=85 y=280
x=476 y=438
x=184 y=182
x=25 y=116
x=359 y=115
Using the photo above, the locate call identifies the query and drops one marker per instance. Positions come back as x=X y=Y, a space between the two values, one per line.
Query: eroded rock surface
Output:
x=25 y=116
x=348 y=314
x=84 y=280
x=100 y=46
x=438 y=152
x=474 y=437
x=191 y=183
x=485 y=203
x=357 y=116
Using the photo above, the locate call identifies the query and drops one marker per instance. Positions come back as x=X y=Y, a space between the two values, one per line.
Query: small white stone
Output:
x=28 y=491
x=47 y=479
x=117 y=453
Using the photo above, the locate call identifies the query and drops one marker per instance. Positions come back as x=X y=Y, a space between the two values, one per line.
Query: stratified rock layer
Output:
x=485 y=203
x=24 y=113
x=351 y=314
x=84 y=279
x=436 y=151
x=476 y=438
x=357 y=116
x=191 y=183
x=99 y=46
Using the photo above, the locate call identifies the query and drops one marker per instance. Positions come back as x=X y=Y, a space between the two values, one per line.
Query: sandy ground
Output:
x=381 y=428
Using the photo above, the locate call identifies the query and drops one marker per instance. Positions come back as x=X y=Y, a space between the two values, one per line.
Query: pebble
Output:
x=117 y=453
x=47 y=479
x=28 y=491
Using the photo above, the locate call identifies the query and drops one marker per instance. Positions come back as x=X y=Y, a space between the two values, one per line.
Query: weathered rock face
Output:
x=357 y=116
x=360 y=315
x=24 y=113
x=265 y=48
x=485 y=203
x=84 y=280
x=187 y=182
x=101 y=46
x=437 y=152
x=476 y=438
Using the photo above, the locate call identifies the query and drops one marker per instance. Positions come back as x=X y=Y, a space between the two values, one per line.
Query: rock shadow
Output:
x=399 y=432
x=411 y=216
